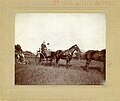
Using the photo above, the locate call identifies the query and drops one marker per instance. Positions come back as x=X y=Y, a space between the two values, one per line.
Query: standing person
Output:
x=43 y=48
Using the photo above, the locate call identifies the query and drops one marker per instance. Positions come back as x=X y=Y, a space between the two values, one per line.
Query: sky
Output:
x=61 y=30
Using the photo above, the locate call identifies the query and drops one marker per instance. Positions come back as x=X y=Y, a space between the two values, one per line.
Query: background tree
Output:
x=18 y=48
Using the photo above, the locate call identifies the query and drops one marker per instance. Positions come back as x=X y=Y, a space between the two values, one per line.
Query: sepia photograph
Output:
x=60 y=49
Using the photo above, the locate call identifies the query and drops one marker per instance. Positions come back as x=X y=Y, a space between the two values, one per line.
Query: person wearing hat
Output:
x=43 y=48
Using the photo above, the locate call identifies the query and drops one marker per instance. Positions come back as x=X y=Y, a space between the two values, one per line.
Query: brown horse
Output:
x=95 y=55
x=67 y=54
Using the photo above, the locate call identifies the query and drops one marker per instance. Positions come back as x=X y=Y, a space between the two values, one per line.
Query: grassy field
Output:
x=44 y=74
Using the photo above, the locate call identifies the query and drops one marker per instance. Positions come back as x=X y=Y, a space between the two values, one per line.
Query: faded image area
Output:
x=60 y=48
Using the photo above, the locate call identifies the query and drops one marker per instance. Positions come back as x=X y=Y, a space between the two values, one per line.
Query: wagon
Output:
x=48 y=56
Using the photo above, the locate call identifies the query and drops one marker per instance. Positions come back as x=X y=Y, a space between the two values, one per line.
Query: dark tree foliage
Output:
x=18 y=48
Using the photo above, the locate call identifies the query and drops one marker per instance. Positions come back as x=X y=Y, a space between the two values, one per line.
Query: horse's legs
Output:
x=57 y=60
x=104 y=65
x=104 y=69
x=87 y=65
x=67 y=63
x=51 y=61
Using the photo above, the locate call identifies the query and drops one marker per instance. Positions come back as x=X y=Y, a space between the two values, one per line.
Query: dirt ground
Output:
x=46 y=74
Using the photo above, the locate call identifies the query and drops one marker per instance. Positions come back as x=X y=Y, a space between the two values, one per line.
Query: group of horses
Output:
x=68 y=55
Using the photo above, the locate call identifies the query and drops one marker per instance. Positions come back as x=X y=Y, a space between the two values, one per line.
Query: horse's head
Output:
x=78 y=51
x=76 y=48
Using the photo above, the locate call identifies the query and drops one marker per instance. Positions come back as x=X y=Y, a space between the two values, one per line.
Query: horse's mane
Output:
x=72 y=46
x=67 y=49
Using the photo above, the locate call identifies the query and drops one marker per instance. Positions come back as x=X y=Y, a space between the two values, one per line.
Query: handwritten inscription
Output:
x=86 y=3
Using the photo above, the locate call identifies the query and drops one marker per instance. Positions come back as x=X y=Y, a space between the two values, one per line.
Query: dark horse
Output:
x=95 y=55
x=66 y=54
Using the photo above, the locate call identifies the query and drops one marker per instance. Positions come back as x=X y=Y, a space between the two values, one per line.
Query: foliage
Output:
x=18 y=48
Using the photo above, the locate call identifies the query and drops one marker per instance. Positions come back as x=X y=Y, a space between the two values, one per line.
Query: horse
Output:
x=66 y=54
x=95 y=55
